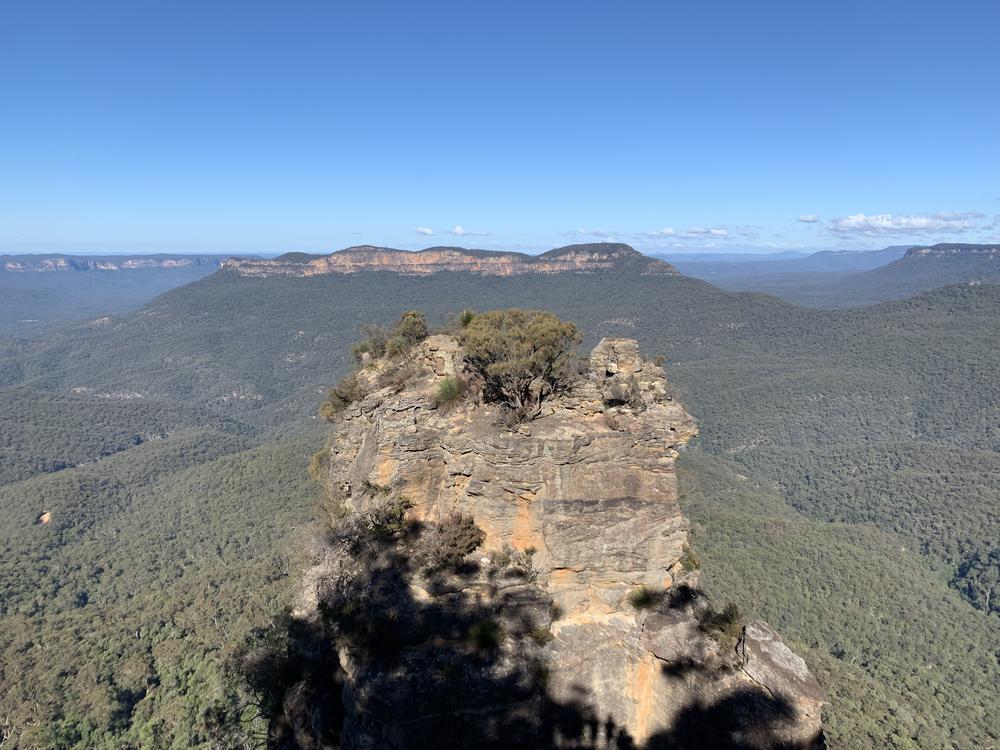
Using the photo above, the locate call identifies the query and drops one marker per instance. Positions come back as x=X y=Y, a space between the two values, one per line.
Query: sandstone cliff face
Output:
x=588 y=492
x=946 y=249
x=576 y=258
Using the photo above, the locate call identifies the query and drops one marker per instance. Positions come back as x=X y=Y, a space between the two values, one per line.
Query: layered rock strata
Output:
x=574 y=258
x=586 y=493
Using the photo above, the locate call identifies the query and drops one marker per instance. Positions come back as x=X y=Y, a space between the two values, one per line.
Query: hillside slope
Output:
x=920 y=269
x=884 y=415
x=739 y=274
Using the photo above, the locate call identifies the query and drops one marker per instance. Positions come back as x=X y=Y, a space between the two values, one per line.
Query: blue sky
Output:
x=262 y=127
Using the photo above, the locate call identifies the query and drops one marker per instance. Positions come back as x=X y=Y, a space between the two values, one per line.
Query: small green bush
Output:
x=450 y=542
x=397 y=346
x=626 y=394
x=513 y=563
x=465 y=317
x=373 y=343
x=346 y=392
x=379 y=341
x=644 y=597
x=541 y=636
x=386 y=522
x=450 y=391
x=485 y=635
x=360 y=349
x=725 y=626
x=690 y=560
x=412 y=327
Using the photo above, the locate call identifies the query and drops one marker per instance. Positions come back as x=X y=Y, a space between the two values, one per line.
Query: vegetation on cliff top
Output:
x=521 y=356
x=516 y=358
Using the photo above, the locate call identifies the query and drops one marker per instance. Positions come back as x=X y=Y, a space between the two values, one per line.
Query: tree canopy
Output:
x=521 y=355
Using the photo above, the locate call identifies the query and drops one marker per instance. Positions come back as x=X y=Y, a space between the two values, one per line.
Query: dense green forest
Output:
x=42 y=431
x=170 y=447
x=119 y=614
x=857 y=604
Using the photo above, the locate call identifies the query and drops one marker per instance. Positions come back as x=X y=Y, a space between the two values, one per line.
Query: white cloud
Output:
x=706 y=232
x=699 y=234
x=578 y=233
x=954 y=222
x=424 y=230
x=459 y=231
x=808 y=218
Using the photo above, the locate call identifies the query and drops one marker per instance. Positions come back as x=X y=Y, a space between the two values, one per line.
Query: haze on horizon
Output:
x=261 y=128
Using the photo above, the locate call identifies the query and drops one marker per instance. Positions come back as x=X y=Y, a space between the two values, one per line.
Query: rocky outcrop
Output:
x=574 y=258
x=582 y=568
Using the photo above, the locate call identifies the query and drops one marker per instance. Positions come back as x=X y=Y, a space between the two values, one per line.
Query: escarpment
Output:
x=946 y=249
x=586 y=258
x=531 y=585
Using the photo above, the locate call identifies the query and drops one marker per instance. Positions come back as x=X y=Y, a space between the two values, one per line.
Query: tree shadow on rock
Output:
x=406 y=653
x=746 y=719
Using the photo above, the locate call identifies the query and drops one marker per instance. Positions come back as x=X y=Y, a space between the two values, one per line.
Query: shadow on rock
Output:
x=409 y=647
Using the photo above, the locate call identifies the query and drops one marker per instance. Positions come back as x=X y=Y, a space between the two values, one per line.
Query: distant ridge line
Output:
x=55 y=262
x=954 y=248
x=586 y=258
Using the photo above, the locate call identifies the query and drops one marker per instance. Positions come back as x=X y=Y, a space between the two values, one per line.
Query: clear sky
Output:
x=270 y=126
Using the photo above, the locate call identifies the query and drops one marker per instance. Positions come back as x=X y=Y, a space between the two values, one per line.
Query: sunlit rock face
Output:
x=574 y=258
x=588 y=492
x=946 y=249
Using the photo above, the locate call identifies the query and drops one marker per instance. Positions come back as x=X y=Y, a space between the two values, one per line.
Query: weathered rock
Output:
x=597 y=503
x=779 y=670
x=588 y=492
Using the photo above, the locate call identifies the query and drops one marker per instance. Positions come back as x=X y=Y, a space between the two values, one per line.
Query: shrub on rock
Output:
x=522 y=356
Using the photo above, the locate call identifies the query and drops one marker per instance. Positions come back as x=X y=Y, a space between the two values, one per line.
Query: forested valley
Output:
x=155 y=485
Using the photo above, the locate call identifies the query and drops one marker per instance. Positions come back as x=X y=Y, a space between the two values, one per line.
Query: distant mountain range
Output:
x=848 y=279
x=27 y=263
x=40 y=289
x=572 y=258
x=830 y=278
x=825 y=261
x=723 y=257
x=45 y=288
x=922 y=268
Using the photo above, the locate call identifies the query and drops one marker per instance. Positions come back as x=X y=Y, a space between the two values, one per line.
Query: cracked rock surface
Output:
x=588 y=492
